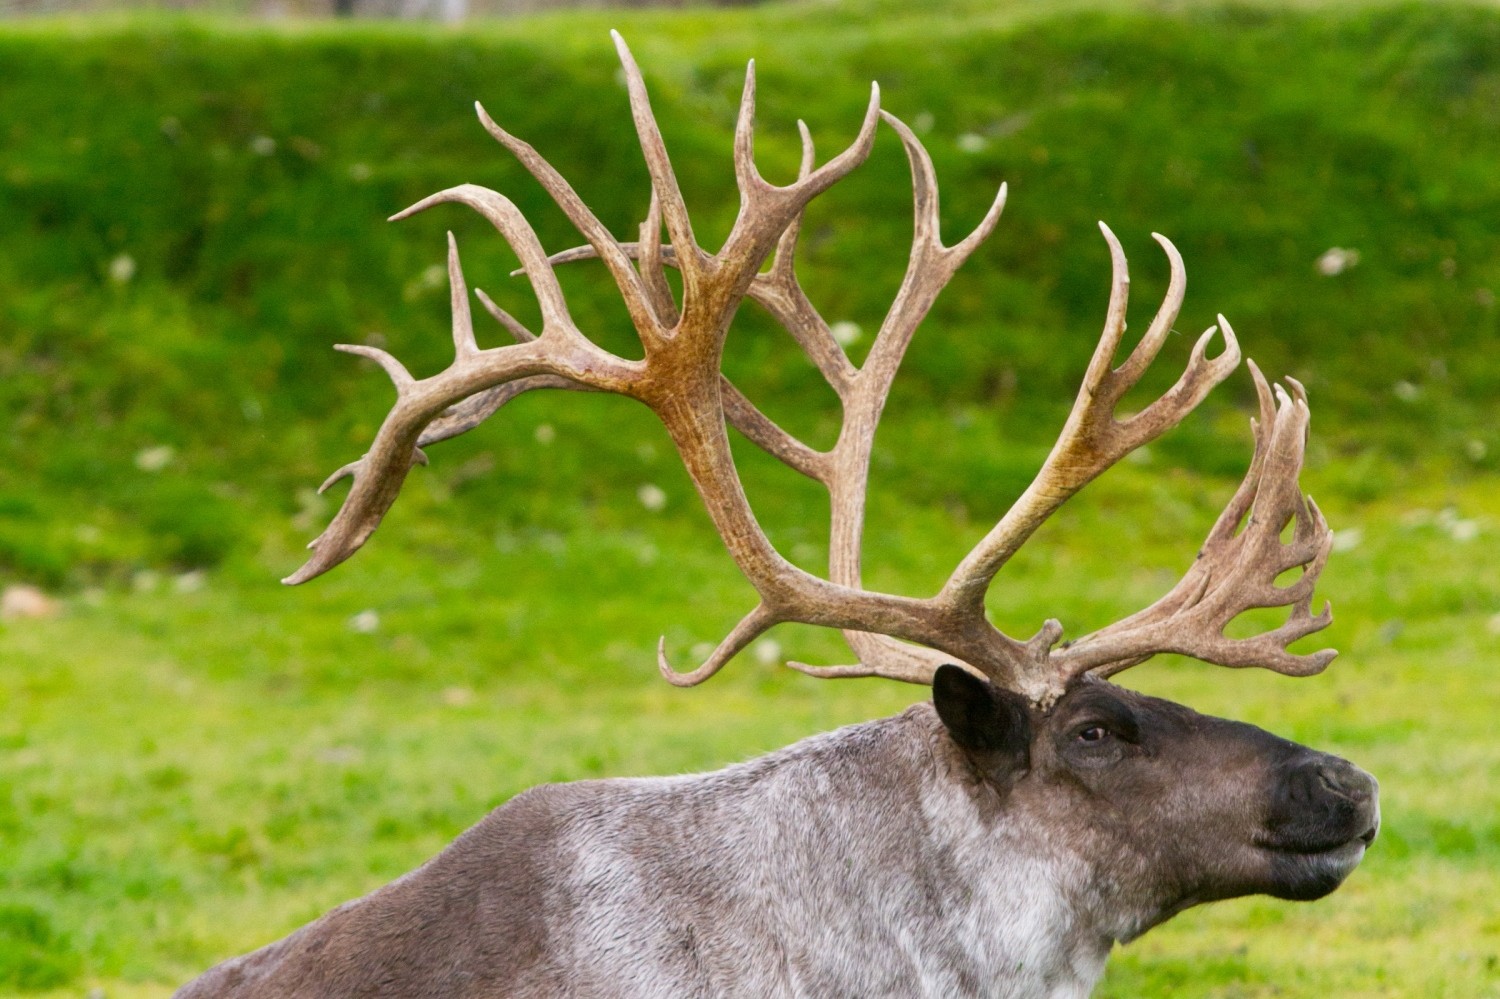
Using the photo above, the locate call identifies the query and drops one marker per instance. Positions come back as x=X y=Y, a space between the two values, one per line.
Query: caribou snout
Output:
x=1324 y=813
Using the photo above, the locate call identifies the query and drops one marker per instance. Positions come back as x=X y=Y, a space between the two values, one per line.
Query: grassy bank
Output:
x=194 y=760
x=192 y=218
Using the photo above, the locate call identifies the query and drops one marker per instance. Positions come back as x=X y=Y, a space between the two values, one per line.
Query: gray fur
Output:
x=877 y=860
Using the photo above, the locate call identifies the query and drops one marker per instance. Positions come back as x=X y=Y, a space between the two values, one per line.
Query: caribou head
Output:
x=1001 y=838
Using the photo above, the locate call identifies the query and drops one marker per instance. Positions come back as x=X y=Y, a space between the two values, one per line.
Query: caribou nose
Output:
x=1345 y=779
x=1321 y=778
x=1322 y=801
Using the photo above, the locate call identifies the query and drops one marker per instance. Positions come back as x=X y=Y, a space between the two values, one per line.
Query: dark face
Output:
x=1171 y=808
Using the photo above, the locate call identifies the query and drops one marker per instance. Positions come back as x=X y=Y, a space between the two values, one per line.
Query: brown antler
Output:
x=679 y=379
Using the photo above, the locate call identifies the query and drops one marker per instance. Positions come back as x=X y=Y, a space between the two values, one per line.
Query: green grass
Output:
x=192 y=774
x=194 y=760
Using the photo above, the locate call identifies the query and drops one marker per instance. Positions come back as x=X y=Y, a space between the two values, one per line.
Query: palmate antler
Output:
x=679 y=378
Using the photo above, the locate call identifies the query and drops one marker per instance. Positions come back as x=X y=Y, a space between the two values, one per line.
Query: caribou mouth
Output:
x=1307 y=847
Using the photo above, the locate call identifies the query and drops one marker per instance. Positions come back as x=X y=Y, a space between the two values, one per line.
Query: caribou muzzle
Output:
x=1324 y=813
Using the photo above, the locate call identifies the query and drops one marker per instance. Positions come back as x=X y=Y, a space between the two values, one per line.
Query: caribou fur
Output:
x=956 y=852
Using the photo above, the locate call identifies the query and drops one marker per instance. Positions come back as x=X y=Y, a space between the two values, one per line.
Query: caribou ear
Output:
x=992 y=725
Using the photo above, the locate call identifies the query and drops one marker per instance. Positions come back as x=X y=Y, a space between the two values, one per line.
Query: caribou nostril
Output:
x=1346 y=781
x=1368 y=836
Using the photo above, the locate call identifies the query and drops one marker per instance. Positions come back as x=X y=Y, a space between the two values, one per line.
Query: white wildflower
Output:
x=1336 y=260
x=366 y=622
x=457 y=697
x=1407 y=391
x=846 y=333
x=652 y=497
x=1463 y=530
x=768 y=652
x=545 y=433
x=923 y=122
x=122 y=268
x=263 y=145
x=1458 y=528
x=190 y=582
x=1476 y=449
x=360 y=172
x=972 y=142
x=154 y=459
x=1347 y=539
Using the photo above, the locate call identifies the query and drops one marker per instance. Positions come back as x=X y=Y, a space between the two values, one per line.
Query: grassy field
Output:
x=194 y=760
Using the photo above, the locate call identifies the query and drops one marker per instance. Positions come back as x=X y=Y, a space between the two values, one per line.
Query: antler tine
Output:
x=653 y=267
x=777 y=290
x=785 y=264
x=929 y=267
x=464 y=344
x=765 y=208
x=747 y=175
x=766 y=434
x=1156 y=334
x=1236 y=572
x=830 y=173
x=461 y=417
x=507 y=219
x=512 y=325
x=750 y=627
x=658 y=164
x=885 y=657
x=399 y=376
x=585 y=221
x=1093 y=438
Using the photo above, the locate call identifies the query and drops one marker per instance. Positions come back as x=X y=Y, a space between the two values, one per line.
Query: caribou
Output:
x=998 y=840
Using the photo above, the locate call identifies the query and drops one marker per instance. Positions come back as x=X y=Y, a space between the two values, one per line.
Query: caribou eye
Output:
x=1093 y=734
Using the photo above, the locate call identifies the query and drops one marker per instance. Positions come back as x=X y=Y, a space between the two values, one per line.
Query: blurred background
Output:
x=449 y=11
x=195 y=760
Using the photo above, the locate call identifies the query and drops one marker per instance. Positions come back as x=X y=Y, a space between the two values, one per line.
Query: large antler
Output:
x=679 y=378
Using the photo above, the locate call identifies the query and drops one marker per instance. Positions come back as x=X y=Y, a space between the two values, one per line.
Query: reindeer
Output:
x=996 y=841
